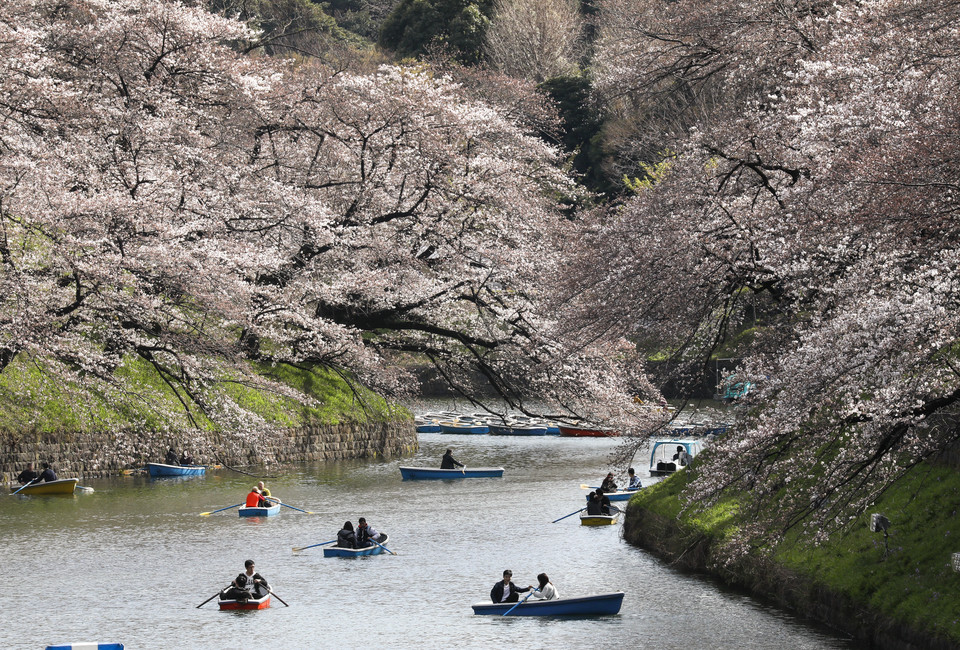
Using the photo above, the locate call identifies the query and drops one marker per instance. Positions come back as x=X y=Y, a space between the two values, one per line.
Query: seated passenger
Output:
x=47 y=474
x=347 y=538
x=634 y=483
x=546 y=590
x=593 y=505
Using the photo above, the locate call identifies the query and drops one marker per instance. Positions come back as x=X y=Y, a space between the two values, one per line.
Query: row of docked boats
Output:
x=518 y=425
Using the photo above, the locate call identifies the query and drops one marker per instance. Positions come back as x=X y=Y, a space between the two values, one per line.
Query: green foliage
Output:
x=653 y=173
x=415 y=26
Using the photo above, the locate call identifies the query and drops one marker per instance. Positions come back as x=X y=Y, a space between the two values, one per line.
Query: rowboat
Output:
x=620 y=495
x=254 y=603
x=662 y=462
x=586 y=432
x=336 y=551
x=421 y=473
x=160 y=469
x=464 y=427
x=599 y=520
x=61 y=486
x=260 y=512
x=599 y=605
x=86 y=646
x=518 y=429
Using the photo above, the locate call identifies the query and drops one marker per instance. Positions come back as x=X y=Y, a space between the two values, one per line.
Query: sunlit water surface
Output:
x=131 y=561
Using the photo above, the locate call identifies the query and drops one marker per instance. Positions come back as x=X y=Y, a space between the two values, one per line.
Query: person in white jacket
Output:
x=546 y=590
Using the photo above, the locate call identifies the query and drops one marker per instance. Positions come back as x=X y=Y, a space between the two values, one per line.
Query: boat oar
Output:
x=570 y=515
x=28 y=484
x=212 y=597
x=204 y=514
x=300 y=509
x=584 y=486
x=269 y=591
x=382 y=546
x=303 y=548
x=522 y=601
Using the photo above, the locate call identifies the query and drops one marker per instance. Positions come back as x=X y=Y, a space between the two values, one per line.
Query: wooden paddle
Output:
x=532 y=591
x=570 y=515
x=205 y=514
x=212 y=597
x=303 y=548
x=584 y=486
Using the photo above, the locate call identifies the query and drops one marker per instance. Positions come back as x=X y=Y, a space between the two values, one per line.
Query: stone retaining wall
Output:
x=109 y=453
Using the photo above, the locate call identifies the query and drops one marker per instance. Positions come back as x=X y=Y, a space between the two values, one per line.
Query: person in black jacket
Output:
x=449 y=462
x=347 y=538
x=505 y=591
x=247 y=585
x=27 y=475
x=47 y=474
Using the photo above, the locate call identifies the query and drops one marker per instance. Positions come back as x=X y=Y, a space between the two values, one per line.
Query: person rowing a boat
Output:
x=608 y=484
x=171 y=458
x=28 y=475
x=449 y=462
x=506 y=591
x=594 y=505
x=366 y=534
x=255 y=499
x=247 y=585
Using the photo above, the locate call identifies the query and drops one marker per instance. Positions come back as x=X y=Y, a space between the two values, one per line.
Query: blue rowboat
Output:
x=518 y=430
x=429 y=427
x=411 y=473
x=260 y=512
x=336 y=551
x=86 y=646
x=599 y=605
x=159 y=469
x=464 y=427
x=622 y=495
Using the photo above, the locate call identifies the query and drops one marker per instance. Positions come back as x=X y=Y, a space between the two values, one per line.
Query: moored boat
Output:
x=253 y=603
x=336 y=551
x=260 y=512
x=61 y=486
x=517 y=429
x=600 y=520
x=463 y=427
x=586 y=432
x=421 y=473
x=162 y=469
x=598 y=605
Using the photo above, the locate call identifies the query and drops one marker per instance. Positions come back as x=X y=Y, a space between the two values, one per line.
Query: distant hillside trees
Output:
x=416 y=26
x=534 y=39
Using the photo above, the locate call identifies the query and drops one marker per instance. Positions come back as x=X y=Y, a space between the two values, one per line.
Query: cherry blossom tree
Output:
x=814 y=173
x=167 y=199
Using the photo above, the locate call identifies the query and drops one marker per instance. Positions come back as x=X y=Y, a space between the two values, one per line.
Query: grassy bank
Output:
x=32 y=403
x=908 y=583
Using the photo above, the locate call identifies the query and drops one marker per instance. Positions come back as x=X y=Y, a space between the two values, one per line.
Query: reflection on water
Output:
x=130 y=562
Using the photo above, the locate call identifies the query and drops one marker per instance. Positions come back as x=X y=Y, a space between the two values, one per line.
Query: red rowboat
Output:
x=587 y=432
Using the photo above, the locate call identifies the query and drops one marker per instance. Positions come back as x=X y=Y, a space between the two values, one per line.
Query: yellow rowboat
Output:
x=63 y=486
x=599 y=520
